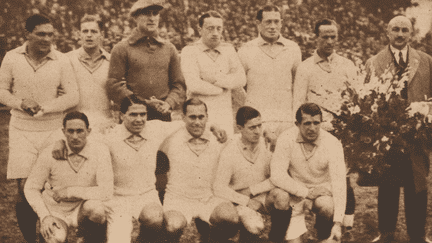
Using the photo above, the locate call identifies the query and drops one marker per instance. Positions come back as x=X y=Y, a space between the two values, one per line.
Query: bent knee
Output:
x=324 y=206
x=225 y=212
x=174 y=221
x=279 y=198
x=95 y=211
x=151 y=215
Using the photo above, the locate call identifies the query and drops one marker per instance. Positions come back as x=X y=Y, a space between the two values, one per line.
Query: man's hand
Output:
x=219 y=133
x=246 y=192
x=164 y=108
x=60 y=150
x=254 y=204
x=159 y=105
x=316 y=192
x=60 y=195
x=270 y=139
x=336 y=232
x=30 y=106
x=50 y=226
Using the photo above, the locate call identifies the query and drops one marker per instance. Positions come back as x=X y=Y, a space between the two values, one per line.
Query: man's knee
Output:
x=95 y=211
x=224 y=213
x=151 y=216
x=279 y=199
x=324 y=206
x=175 y=222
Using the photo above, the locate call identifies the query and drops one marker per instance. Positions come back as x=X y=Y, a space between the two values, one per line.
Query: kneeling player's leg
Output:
x=53 y=229
x=25 y=215
x=323 y=207
x=278 y=203
x=151 y=221
x=175 y=223
x=224 y=221
x=92 y=221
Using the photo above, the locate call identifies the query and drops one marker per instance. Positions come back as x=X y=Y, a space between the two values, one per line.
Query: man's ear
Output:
x=89 y=130
x=64 y=131
x=297 y=123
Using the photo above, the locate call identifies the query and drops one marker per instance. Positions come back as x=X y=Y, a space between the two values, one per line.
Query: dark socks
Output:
x=280 y=220
x=26 y=219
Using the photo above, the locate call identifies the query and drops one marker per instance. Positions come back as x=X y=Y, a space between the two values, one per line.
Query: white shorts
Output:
x=25 y=147
x=70 y=218
x=122 y=210
x=192 y=208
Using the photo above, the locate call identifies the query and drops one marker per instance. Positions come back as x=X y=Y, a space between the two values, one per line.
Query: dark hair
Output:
x=75 y=115
x=308 y=108
x=129 y=101
x=208 y=14
x=92 y=18
x=246 y=113
x=324 y=22
x=193 y=101
x=266 y=8
x=35 y=20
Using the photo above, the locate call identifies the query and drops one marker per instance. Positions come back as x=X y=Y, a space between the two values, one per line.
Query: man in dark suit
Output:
x=410 y=169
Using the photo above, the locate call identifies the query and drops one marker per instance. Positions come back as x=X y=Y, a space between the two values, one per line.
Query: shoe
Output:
x=377 y=239
x=428 y=240
x=384 y=238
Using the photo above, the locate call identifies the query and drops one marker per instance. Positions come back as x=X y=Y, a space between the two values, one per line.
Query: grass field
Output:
x=365 y=227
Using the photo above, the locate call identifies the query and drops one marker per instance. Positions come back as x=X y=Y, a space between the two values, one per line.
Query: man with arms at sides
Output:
x=90 y=63
x=320 y=79
x=133 y=146
x=242 y=177
x=30 y=78
x=193 y=154
x=308 y=164
x=270 y=62
x=413 y=166
x=69 y=193
x=147 y=66
x=212 y=69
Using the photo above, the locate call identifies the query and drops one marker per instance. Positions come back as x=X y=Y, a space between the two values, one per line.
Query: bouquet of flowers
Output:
x=375 y=119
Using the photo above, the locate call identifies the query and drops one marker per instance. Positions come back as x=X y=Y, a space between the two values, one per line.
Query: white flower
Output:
x=384 y=139
x=421 y=107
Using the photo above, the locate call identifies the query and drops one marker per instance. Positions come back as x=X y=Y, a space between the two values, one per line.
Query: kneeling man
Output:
x=308 y=163
x=74 y=188
x=193 y=155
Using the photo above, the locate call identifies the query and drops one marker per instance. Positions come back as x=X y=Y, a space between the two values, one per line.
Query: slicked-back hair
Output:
x=193 y=101
x=324 y=22
x=208 y=14
x=129 y=101
x=92 y=18
x=308 y=108
x=75 y=115
x=36 y=20
x=266 y=8
x=246 y=113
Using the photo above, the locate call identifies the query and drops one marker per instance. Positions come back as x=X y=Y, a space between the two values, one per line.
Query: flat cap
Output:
x=142 y=4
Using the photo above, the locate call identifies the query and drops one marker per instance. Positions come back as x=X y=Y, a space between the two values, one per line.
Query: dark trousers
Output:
x=153 y=114
x=415 y=208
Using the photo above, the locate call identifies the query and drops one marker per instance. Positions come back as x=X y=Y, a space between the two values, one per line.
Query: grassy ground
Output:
x=365 y=227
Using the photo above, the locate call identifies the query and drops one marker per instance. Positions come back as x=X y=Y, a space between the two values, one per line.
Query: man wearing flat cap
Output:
x=146 y=66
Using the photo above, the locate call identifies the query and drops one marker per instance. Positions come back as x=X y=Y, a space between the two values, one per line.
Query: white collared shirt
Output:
x=396 y=53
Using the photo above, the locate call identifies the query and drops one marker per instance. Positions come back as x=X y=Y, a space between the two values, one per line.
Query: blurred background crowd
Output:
x=361 y=35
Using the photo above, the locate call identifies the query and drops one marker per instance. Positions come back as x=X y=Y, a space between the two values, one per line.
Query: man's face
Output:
x=91 y=35
x=252 y=130
x=327 y=39
x=211 y=31
x=148 y=20
x=41 y=38
x=309 y=127
x=135 y=118
x=270 y=26
x=399 y=32
x=196 y=120
x=76 y=134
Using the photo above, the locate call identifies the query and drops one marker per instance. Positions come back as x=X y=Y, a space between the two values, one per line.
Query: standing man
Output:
x=212 y=69
x=320 y=79
x=30 y=78
x=69 y=193
x=270 y=62
x=308 y=163
x=146 y=66
x=193 y=155
x=413 y=167
x=90 y=63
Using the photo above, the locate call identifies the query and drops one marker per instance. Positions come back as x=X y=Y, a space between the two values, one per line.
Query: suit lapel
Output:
x=413 y=63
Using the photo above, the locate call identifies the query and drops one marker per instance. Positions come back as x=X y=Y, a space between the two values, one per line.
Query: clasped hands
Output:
x=32 y=108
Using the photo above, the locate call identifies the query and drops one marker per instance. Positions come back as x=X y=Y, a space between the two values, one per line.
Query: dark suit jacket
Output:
x=419 y=87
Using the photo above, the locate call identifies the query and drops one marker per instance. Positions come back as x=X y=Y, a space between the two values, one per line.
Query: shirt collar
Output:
x=318 y=59
x=137 y=36
x=244 y=147
x=317 y=142
x=124 y=132
x=396 y=52
x=203 y=47
x=83 y=54
x=85 y=152
x=205 y=136
x=262 y=42
x=23 y=50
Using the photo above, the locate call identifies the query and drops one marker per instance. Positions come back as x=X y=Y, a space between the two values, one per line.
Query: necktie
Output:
x=135 y=141
x=401 y=60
